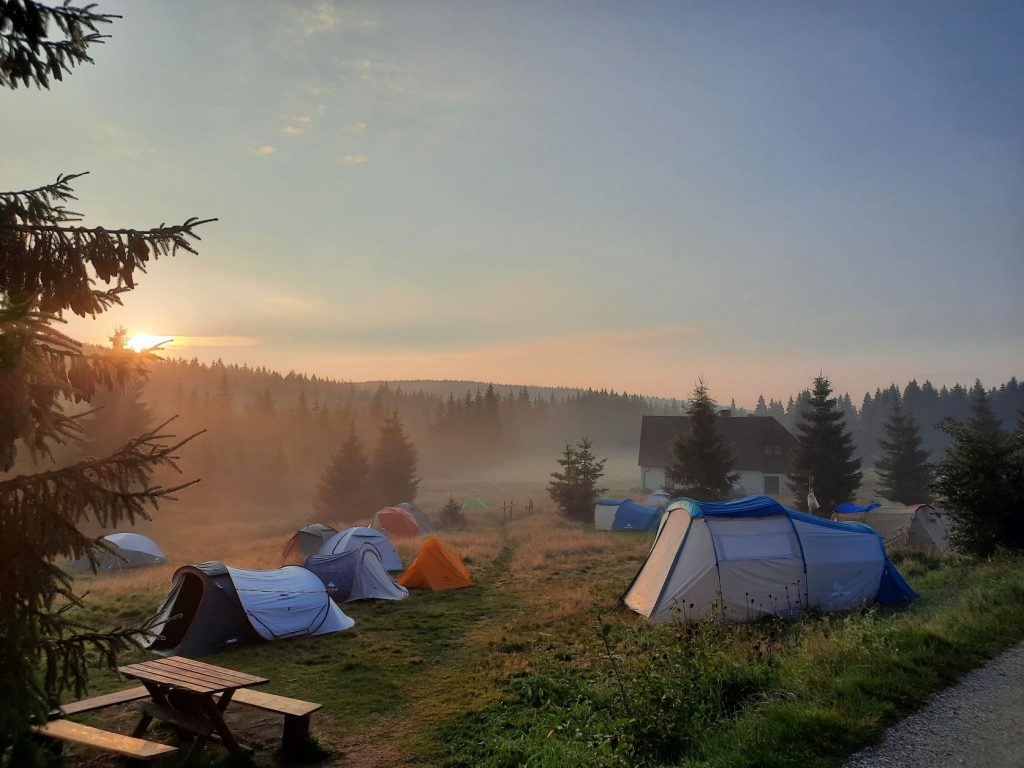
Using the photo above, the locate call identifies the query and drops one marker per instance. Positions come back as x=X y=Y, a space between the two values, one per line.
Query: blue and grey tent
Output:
x=123 y=550
x=355 y=574
x=212 y=607
x=625 y=515
x=753 y=557
x=354 y=538
x=421 y=517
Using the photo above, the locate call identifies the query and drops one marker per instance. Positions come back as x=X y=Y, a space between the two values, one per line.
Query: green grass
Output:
x=801 y=694
x=518 y=671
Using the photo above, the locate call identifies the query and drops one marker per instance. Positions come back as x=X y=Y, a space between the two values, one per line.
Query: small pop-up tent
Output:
x=212 y=607
x=354 y=538
x=124 y=550
x=436 y=567
x=625 y=515
x=356 y=574
x=474 y=504
x=395 y=520
x=920 y=527
x=307 y=541
x=752 y=557
x=421 y=517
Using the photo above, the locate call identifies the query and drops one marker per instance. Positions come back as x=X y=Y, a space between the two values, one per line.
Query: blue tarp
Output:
x=751 y=506
x=848 y=508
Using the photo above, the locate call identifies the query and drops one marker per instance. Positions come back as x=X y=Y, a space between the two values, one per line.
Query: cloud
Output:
x=358 y=127
x=354 y=160
x=291 y=130
x=262 y=150
x=216 y=341
x=322 y=18
x=304 y=119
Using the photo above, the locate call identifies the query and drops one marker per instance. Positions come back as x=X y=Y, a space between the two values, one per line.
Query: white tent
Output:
x=123 y=550
x=287 y=602
x=753 y=557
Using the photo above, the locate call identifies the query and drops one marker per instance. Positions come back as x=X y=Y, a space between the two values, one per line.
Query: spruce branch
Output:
x=28 y=53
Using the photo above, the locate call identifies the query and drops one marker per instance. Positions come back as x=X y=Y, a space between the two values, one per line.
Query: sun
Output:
x=141 y=341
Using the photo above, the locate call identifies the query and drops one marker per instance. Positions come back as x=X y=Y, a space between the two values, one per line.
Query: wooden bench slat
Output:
x=106 y=700
x=145 y=673
x=194 y=676
x=129 y=746
x=228 y=674
x=275 y=703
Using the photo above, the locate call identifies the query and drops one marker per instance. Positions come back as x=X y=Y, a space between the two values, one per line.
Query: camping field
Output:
x=538 y=664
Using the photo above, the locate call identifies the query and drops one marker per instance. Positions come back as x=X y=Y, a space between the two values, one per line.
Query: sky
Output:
x=606 y=194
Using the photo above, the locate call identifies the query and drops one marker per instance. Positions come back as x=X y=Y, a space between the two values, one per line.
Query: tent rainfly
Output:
x=123 y=550
x=212 y=607
x=307 y=541
x=436 y=567
x=421 y=517
x=920 y=527
x=752 y=557
x=354 y=538
x=625 y=515
x=395 y=520
x=356 y=574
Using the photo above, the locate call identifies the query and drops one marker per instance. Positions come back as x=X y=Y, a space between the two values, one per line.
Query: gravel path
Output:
x=977 y=722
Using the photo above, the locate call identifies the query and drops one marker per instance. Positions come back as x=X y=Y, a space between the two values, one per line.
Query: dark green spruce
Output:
x=903 y=469
x=702 y=461
x=824 y=454
x=980 y=480
x=574 y=489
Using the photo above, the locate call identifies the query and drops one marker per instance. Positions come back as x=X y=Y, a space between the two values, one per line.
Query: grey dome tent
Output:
x=421 y=517
x=355 y=574
x=125 y=550
x=354 y=538
x=212 y=607
x=307 y=541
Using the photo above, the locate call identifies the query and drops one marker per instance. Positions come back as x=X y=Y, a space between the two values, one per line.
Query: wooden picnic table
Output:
x=191 y=697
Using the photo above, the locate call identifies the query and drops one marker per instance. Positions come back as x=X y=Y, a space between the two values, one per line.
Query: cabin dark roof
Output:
x=748 y=434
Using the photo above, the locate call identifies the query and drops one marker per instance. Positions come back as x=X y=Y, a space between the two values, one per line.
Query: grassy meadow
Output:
x=539 y=665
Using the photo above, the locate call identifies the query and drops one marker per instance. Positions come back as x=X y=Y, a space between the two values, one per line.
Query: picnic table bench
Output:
x=180 y=704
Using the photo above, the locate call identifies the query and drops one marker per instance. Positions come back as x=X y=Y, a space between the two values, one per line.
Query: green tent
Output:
x=474 y=504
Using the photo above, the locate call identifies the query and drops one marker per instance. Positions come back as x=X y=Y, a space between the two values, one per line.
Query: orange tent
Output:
x=436 y=567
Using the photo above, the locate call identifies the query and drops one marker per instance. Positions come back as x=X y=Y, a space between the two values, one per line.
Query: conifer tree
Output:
x=49 y=265
x=452 y=515
x=761 y=409
x=344 y=491
x=394 y=465
x=980 y=480
x=574 y=490
x=903 y=466
x=702 y=461
x=824 y=454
